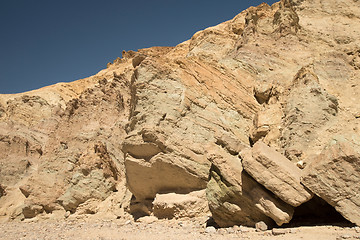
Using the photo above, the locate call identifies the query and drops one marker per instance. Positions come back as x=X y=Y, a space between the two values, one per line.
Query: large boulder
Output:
x=235 y=198
x=275 y=172
x=334 y=175
x=172 y=205
x=162 y=174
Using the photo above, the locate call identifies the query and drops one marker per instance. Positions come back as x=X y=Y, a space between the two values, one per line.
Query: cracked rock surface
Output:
x=231 y=112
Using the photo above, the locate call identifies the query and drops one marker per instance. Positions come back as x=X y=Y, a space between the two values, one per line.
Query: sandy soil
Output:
x=158 y=230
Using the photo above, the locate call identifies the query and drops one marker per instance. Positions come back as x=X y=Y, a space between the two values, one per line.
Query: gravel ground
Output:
x=117 y=229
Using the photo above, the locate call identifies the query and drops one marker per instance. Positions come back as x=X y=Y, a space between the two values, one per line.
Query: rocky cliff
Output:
x=255 y=119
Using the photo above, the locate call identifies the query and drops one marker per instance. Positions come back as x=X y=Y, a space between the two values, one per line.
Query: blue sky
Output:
x=43 y=42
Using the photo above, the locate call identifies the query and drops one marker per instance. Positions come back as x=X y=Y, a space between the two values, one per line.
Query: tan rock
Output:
x=279 y=231
x=146 y=144
x=93 y=186
x=37 y=188
x=21 y=150
x=309 y=108
x=261 y=226
x=160 y=174
x=267 y=124
x=147 y=219
x=301 y=164
x=286 y=19
x=237 y=199
x=30 y=211
x=285 y=74
x=275 y=172
x=174 y=205
x=230 y=143
x=229 y=167
x=141 y=150
x=210 y=230
x=334 y=176
x=53 y=150
x=11 y=205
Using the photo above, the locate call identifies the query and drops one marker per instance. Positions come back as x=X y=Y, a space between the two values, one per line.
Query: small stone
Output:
x=230 y=230
x=210 y=229
x=267 y=233
x=345 y=236
x=279 y=231
x=300 y=164
x=147 y=219
x=236 y=228
x=244 y=229
x=357 y=229
x=127 y=222
x=67 y=214
x=261 y=226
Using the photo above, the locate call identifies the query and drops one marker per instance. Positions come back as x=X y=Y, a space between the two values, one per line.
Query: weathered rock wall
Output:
x=238 y=111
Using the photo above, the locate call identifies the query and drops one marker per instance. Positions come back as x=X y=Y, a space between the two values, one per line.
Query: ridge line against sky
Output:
x=44 y=42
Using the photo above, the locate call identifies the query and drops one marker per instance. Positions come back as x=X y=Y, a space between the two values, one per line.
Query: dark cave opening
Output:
x=317 y=212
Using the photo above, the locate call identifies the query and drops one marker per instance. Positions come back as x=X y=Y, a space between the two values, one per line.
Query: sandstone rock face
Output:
x=86 y=187
x=165 y=150
x=334 y=176
x=236 y=198
x=286 y=19
x=276 y=173
x=160 y=175
x=267 y=124
x=172 y=120
x=173 y=205
x=61 y=161
x=307 y=110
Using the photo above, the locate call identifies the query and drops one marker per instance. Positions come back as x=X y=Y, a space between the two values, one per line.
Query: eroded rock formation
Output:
x=232 y=112
x=333 y=175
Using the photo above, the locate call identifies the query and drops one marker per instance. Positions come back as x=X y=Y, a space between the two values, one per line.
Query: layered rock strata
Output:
x=275 y=172
x=275 y=84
